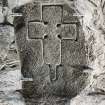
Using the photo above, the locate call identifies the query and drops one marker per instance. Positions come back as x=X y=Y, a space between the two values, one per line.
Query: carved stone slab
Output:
x=52 y=48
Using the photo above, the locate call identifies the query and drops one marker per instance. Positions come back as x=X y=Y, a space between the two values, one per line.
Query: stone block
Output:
x=55 y=39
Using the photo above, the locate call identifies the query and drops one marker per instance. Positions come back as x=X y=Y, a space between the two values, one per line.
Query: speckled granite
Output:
x=61 y=46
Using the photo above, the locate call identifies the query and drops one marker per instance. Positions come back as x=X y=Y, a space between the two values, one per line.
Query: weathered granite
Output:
x=52 y=48
x=9 y=60
x=48 y=77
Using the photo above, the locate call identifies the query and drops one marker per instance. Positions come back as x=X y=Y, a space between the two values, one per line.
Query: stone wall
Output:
x=93 y=26
x=52 y=49
x=93 y=22
x=90 y=14
x=9 y=60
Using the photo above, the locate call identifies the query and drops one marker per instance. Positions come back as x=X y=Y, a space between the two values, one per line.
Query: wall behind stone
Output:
x=93 y=27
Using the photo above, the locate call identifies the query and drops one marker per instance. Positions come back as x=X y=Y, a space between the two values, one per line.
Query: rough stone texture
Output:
x=50 y=31
x=69 y=31
x=93 y=22
x=72 y=45
x=9 y=61
x=9 y=56
x=37 y=32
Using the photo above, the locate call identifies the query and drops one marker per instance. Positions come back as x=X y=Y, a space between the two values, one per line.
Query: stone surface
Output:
x=10 y=74
x=52 y=14
x=37 y=32
x=54 y=51
x=62 y=49
x=69 y=31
